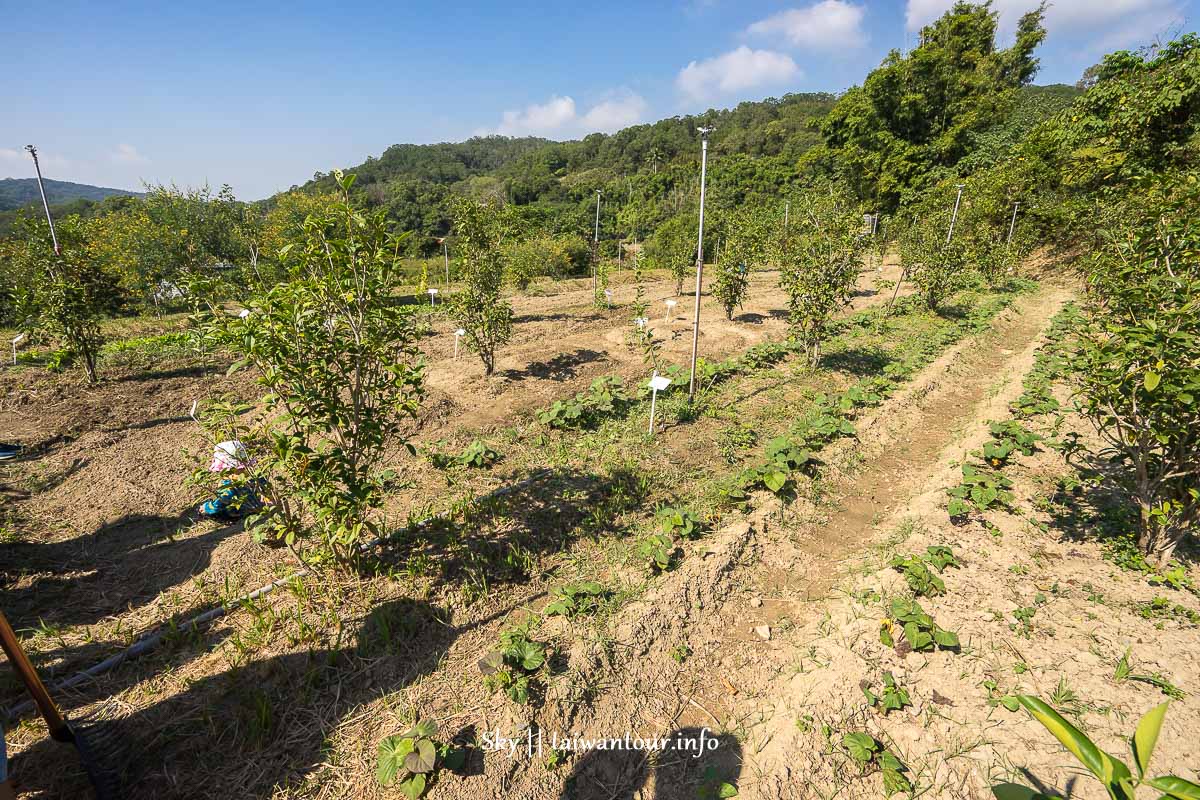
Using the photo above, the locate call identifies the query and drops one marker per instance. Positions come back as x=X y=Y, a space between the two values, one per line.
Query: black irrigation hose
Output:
x=202 y=621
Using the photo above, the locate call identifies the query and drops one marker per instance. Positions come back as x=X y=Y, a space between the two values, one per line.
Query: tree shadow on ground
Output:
x=858 y=361
x=1094 y=505
x=190 y=371
x=259 y=725
x=559 y=368
x=751 y=318
x=41 y=482
x=117 y=567
x=557 y=317
x=695 y=763
x=497 y=540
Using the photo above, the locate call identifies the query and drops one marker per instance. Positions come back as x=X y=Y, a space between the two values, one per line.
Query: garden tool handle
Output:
x=25 y=671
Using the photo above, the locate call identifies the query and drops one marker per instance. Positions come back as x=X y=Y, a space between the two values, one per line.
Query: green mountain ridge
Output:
x=20 y=192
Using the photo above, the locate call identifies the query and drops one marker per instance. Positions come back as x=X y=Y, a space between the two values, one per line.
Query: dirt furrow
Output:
x=766 y=574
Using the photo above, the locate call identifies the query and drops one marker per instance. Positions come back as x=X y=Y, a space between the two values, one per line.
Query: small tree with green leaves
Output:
x=819 y=258
x=745 y=247
x=62 y=295
x=641 y=338
x=1138 y=365
x=483 y=230
x=341 y=367
x=536 y=257
x=673 y=248
x=934 y=265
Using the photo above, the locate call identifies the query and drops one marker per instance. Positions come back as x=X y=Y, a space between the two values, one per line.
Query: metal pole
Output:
x=45 y=204
x=954 y=216
x=446 y=255
x=596 y=243
x=699 y=260
x=1012 y=224
x=787 y=207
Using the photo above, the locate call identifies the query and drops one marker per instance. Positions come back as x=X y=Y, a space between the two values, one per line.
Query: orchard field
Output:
x=919 y=521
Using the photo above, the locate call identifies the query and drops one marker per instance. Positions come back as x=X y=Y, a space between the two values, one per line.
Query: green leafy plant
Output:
x=893 y=697
x=679 y=521
x=413 y=761
x=479 y=454
x=342 y=370
x=1137 y=367
x=917 y=574
x=606 y=397
x=713 y=786
x=867 y=751
x=819 y=259
x=935 y=265
x=1113 y=774
x=516 y=666
x=979 y=490
x=482 y=231
x=920 y=631
x=1008 y=437
x=1124 y=672
x=658 y=550
x=573 y=599
x=64 y=293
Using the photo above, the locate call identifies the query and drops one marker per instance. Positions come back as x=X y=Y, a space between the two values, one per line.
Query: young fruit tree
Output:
x=819 y=258
x=61 y=295
x=673 y=248
x=341 y=367
x=934 y=265
x=1138 y=369
x=482 y=229
x=745 y=246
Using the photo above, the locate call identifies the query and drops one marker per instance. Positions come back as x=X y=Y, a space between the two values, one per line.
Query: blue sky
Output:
x=120 y=93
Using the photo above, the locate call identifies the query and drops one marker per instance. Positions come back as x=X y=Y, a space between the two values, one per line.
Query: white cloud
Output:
x=614 y=114
x=736 y=71
x=559 y=116
x=828 y=25
x=21 y=160
x=128 y=154
x=1108 y=25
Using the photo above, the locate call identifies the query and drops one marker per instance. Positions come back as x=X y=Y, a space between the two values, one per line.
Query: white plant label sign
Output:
x=20 y=337
x=458 y=334
x=657 y=384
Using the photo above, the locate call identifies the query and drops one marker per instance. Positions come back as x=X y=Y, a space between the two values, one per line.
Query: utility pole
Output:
x=45 y=204
x=446 y=256
x=954 y=216
x=699 y=260
x=596 y=245
x=1012 y=225
x=787 y=207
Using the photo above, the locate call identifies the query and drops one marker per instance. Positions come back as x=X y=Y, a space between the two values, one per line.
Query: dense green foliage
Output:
x=916 y=116
x=339 y=362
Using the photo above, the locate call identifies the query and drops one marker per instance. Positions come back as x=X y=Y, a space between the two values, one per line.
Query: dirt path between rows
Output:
x=768 y=572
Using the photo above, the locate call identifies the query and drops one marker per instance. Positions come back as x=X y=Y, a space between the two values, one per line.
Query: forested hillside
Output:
x=647 y=173
x=17 y=192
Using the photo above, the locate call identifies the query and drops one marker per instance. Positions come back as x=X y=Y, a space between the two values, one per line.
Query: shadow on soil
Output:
x=696 y=762
x=258 y=725
x=560 y=368
x=120 y=566
x=497 y=540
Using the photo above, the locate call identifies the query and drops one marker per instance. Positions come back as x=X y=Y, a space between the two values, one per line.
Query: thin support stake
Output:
x=45 y=204
x=1012 y=224
x=699 y=261
x=954 y=216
